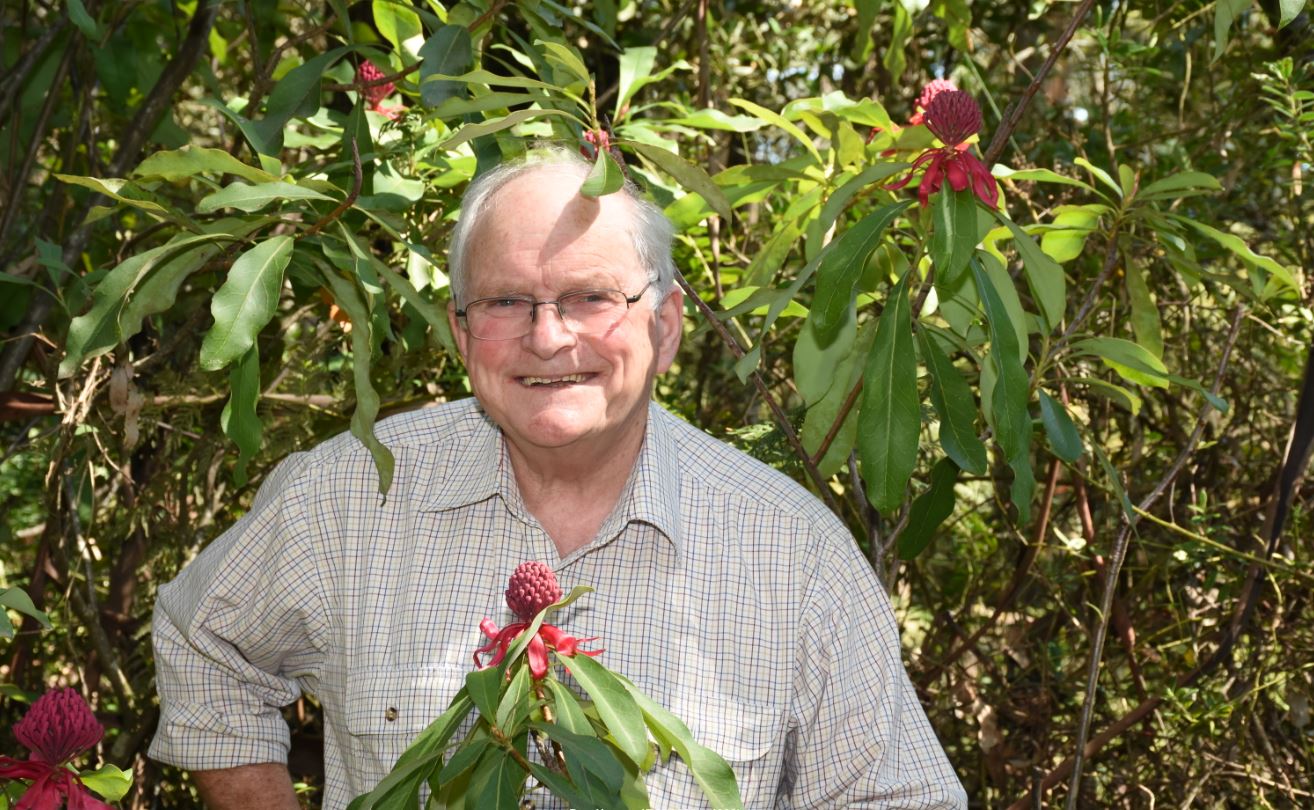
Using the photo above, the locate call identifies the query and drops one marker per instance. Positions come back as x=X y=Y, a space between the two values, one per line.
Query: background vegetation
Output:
x=218 y=245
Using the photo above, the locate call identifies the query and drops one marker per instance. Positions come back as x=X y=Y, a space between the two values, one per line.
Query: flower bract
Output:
x=952 y=116
x=58 y=727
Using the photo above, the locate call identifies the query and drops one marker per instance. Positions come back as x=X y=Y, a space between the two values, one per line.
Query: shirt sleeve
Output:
x=236 y=631
x=860 y=737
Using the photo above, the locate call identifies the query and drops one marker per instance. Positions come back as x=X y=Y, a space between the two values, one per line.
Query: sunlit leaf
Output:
x=889 y=421
x=246 y=302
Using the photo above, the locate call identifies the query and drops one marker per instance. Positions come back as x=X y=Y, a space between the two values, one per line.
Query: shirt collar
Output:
x=475 y=466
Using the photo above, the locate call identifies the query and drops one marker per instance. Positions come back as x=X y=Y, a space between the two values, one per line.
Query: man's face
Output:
x=553 y=388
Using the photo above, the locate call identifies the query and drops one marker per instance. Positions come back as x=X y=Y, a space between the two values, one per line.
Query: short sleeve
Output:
x=238 y=631
x=860 y=737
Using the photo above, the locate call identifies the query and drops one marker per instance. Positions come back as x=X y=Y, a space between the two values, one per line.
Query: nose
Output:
x=548 y=333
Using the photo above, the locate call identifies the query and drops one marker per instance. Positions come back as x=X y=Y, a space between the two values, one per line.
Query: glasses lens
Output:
x=499 y=318
x=593 y=310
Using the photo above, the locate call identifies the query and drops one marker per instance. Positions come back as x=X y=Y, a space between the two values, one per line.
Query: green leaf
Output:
x=840 y=265
x=97 y=331
x=1181 y=184
x=449 y=51
x=560 y=786
x=715 y=119
x=570 y=715
x=484 y=687
x=1132 y=361
x=295 y=95
x=108 y=781
x=435 y=736
x=816 y=366
x=890 y=419
x=249 y=198
x=636 y=64
x=432 y=313
x=614 y=704
x=954 y=233
x=112 y=187
x=839 y=199
x=1099 y=174
x=1009 y=395
x=1225 y=13
x=347 y=296
x=189 y=161
x=1237 y=246
x=1144 y=312
x=929 y=510
x=498 y=786
x=605 y=178
x=472 y=131
x=1064 y=439
x=952 y=398
x=1290 y=10
x=77 y=12
x=246 y=302
x=515 y=696
x=1044 y=275
x=564 y=57
x=239 y=419
x=463 y=758
x=1219 y=404
x=1072 y=225
x=1124 y=397
x=777 y=120
x=712 y=773
x=1039 y=175
x=396 y=22
x=17 y=599
x=592 y=752
x=692 y=177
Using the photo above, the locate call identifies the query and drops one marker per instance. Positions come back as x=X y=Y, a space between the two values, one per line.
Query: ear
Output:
x=461 y=336
x=670 y=323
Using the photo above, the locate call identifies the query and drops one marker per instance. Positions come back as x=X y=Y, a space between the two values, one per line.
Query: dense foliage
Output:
x=223 y=236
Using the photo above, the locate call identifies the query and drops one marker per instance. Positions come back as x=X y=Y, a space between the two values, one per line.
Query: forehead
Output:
x=538 y=231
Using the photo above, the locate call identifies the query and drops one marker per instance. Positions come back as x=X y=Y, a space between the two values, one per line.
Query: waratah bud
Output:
x=953 y=116
x=533 y=587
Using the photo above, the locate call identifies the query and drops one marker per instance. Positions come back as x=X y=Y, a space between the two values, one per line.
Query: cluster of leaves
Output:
x=986 y=396
x=600 y=746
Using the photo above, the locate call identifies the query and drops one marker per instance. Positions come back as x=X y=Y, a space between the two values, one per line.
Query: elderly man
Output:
x=723 y=588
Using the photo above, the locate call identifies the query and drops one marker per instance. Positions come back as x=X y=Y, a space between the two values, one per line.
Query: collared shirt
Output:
x=722 y=588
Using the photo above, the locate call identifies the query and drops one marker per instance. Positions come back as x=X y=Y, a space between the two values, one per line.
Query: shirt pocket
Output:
x=387 y=707
x=737 y=730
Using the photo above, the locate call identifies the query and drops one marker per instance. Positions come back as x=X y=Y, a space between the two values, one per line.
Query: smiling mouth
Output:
x=553 y=382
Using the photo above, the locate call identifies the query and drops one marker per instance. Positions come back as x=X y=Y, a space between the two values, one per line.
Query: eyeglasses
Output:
x=584 y=312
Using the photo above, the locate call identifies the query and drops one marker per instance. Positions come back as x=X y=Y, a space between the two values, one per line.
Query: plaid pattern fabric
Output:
x=723 y=589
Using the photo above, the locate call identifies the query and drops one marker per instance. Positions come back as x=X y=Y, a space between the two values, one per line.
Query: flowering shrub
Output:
x=59 y=727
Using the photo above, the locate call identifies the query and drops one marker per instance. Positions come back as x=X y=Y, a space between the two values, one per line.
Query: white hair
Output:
x=650 y=230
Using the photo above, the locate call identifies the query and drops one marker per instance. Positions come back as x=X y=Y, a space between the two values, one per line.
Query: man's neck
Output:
x=571 y=493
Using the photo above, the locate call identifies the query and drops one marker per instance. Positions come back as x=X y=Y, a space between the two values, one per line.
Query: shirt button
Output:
x=391 y=714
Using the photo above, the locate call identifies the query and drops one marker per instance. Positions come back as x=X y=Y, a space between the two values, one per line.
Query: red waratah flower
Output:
x=58 y=727
x=923 y=103
x=953 y=116
x=367 y=79
x=533 y=587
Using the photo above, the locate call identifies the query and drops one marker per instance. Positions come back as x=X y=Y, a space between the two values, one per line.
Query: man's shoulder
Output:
x=426 y=427
x=719 y=468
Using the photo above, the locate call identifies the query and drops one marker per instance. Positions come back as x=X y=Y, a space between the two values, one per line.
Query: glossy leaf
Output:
x=890 y=419
x=1181 y=184
x=295 y=95
x=954 y=234
x=396 y=22
x=1009 y=395
x=777 y=120
x=1044 y=275
x=447 y=52
x=97 y=331
x=929 y=510
x=1290 y=10
x=463 y=758
x=1281 y=276
x=1133 y=362
x=570 y=715
x=614 y=705
x=635 y=65
x=484 y=687
x=239 y=420
x=515 y=694
x=249 y=198
x=712 y=773
x=348 y=297
x=592 y=753
x=1064 y=439
x=114 y=188
x=566 y=58
x=815 y=366
x=820 y=418
x=471 y=131
x=1144 y=312
x=692 y=177
x=1038 y=175
x=840 y=265
x=189 y=161
x=956 y=407
x=15 y=598
x=605 y=177
x=246 y=302
x=108 y=781
x=496 y=783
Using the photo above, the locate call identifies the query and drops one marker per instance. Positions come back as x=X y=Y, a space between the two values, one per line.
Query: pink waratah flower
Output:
x=953 y=116
x=58 y=727
x=532 y=588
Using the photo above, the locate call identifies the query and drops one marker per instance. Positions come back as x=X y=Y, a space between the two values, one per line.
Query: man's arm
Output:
x=248 y=787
